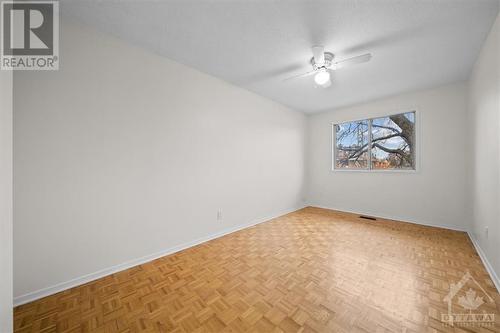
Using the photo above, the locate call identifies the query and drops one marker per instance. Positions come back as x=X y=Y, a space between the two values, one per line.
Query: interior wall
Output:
x=436 y=194
x=484 y=106
x=123 y=153
x=5 y=201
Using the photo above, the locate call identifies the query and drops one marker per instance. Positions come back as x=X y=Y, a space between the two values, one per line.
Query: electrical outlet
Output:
x=219 y=215
x=486 y=231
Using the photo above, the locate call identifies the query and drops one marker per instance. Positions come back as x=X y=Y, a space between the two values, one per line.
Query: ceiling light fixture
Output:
x=323 y=66
x=322 y=78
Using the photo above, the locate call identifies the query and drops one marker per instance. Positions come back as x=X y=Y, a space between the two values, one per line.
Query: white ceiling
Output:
x=255 y=44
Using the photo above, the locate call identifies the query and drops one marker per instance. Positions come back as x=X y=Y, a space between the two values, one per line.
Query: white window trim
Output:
x=416 y=148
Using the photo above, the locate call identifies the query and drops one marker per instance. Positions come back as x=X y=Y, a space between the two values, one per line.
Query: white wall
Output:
x=5 y=201
x=435 y=195
x=484 y=106
x=122 y=153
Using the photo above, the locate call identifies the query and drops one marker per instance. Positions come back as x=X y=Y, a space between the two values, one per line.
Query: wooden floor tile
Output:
x=313 y=270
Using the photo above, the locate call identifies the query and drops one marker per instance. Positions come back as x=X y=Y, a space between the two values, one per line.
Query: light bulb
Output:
x=322 y=77
x=327 y=84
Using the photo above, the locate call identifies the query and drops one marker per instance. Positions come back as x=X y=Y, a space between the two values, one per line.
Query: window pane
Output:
x=393 y=142
x=351 y=145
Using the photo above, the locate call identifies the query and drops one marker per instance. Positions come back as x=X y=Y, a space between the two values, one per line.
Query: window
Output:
x=385 y=143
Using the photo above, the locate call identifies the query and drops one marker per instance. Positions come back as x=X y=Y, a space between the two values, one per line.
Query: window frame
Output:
x=416 y=150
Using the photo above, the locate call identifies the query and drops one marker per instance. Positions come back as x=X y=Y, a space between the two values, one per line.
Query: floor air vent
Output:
x=367 y=217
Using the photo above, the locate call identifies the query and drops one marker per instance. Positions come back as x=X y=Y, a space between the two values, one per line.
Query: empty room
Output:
x=250 y=166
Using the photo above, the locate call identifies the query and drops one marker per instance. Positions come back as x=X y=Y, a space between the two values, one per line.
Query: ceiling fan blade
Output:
x=352 y=61
x=319 y=55
x=299 y=76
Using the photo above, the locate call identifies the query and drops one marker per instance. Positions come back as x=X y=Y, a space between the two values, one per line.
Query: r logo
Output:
x=29 y=28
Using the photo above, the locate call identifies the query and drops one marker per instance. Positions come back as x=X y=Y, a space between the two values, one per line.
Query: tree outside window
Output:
x=381 y=143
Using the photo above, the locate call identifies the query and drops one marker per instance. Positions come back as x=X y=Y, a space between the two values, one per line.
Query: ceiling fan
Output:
x=322 y=64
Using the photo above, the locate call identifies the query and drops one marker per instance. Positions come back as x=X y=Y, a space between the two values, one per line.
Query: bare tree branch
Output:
x=389 y=150
x=356 y=149
x=387 y=128
x=406 y=126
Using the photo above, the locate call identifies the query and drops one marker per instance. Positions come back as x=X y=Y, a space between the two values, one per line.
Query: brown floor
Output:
x=313 y=270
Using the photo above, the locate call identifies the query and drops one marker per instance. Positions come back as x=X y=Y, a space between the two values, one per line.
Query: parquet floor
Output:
x=313 y=270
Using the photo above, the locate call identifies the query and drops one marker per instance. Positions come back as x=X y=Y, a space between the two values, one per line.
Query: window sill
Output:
x=376 y=170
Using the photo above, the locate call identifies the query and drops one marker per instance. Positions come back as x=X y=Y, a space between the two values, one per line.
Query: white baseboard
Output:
x=392 y=217
x=32 y=296
x=484 y=259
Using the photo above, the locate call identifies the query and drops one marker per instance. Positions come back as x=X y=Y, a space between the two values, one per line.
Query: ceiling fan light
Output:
x=326 y=84
x=322 y=78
